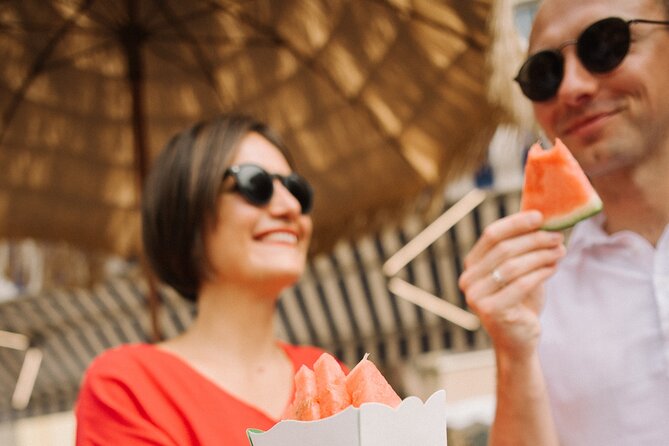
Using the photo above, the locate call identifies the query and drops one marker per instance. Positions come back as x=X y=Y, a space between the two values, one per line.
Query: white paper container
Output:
x=412 y=423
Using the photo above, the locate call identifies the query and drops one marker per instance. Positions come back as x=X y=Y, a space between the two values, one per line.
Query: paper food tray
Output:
x=412 y=423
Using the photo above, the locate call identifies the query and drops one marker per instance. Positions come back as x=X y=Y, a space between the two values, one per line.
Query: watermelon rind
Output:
x=566 y=221
x=250 y=431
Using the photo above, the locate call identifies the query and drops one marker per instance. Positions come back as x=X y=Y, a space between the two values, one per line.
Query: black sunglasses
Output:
x=257 y=185
x=601 y=47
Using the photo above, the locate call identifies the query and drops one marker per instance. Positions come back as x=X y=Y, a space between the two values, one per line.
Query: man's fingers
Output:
x=517 y=267
x=514 y=248
x=502 y=229
x=506 y=273
x=498 y=306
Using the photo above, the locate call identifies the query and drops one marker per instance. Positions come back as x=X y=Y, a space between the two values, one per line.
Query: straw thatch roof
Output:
x=382 y=101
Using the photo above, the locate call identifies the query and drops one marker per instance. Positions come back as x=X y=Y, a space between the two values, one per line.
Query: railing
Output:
x=418 y=244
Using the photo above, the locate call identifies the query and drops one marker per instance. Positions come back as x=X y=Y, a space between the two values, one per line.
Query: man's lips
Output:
x=587 y=122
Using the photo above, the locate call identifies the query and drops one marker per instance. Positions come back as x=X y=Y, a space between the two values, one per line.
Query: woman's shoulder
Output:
x=126 y=351
x=119 y=359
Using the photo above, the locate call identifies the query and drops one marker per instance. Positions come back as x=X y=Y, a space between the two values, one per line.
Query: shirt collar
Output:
x=590 y=232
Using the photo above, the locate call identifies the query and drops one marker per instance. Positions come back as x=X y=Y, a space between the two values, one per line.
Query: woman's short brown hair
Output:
x=181 y=194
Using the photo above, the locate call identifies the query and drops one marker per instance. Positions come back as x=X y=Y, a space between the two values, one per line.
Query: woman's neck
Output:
x=232 y=343
x=231 y=321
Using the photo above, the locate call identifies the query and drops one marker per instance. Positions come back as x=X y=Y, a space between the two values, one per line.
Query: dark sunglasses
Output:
x=601 y=47
x=256 y=185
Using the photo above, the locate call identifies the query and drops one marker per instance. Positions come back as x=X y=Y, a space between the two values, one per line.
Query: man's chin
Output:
x=602 y=168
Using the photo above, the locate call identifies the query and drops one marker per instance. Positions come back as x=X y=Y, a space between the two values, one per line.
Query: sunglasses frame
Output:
x=547 y=57
x=290 y=182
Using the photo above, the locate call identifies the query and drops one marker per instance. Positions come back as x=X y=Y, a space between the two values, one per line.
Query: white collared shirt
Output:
x=605 y=339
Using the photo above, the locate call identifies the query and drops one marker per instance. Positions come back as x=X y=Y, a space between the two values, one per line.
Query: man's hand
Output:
x=503 y=278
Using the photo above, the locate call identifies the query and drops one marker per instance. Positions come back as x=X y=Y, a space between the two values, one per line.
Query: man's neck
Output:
x=636 y=199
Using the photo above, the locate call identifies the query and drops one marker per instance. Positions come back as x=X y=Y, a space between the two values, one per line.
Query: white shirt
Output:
x=605 y=340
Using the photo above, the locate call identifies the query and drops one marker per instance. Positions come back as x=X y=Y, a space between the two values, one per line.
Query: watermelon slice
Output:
x=305 y=405
x=366 y=384
x=556 y=185
x=327 y=390
x=330 y=385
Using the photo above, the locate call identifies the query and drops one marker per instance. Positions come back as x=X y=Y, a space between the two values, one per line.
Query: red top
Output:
x=141 y=395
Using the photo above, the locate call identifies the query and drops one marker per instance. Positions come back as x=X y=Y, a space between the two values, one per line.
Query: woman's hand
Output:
x=503 y=280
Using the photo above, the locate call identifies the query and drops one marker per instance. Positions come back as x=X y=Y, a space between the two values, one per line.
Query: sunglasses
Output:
x=256 y=185
x=601 y=47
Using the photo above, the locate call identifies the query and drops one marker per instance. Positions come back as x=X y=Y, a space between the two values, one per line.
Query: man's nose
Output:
x=578 y=84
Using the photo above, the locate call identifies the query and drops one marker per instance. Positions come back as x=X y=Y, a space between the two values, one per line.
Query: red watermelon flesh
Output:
x=366 y=384
x=556 y=185
x=327 y=390
x=330 y=385
x=305 y=405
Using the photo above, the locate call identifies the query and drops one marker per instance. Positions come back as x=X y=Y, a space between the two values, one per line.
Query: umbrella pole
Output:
x=132 y=37
x=139 y=133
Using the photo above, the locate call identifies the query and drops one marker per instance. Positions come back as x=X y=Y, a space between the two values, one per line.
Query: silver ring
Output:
x=497 y=277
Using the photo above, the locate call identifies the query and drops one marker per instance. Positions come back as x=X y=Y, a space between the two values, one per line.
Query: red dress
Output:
x=141 y=395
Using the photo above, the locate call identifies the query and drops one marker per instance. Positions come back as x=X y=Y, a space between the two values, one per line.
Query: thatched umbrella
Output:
x=382 y=101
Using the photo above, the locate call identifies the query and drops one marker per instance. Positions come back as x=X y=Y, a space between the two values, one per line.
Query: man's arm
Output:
x=503 y=283
x=523 y=414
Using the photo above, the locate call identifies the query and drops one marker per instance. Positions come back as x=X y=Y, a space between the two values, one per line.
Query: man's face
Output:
x=615 y=119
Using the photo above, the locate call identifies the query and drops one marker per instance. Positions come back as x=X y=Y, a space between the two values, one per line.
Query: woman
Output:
x=226 y=223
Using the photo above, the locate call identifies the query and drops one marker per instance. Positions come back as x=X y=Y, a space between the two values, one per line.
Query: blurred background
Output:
x=402 y=113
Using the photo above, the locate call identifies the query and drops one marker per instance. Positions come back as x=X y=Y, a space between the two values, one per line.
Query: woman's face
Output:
x=253 y=244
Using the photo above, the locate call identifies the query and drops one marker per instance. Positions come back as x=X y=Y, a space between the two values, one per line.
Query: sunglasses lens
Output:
x=257 y=186
x=254 y=184
x=601 y=47
x=540 y=76
x=301 y=190
x=604 y=44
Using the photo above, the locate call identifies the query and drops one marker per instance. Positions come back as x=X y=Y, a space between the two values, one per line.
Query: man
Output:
x=592 y=367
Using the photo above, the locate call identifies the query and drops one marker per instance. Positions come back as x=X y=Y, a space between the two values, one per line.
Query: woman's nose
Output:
x=283 y=201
